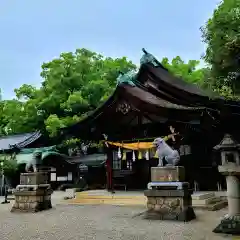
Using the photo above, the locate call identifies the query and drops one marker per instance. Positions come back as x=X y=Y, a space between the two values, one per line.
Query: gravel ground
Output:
x=74 y=222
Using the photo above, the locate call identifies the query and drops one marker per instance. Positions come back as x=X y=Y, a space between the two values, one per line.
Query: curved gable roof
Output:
x=18 y=140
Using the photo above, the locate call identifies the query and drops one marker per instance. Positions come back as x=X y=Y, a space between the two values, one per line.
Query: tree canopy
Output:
x=221 y=34
x=73 y=85
x=190 y=71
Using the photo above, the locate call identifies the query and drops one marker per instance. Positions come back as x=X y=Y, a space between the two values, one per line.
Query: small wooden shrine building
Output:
x=61 y=170
x=147 y=104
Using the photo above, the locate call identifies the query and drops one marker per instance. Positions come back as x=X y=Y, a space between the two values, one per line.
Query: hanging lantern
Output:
x=129 y=165
x=140 y=155
x=124 y=157
x=119 y=153
x=133 y=156
x=147 y=155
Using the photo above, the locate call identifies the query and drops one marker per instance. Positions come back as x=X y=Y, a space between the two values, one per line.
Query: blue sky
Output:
x=34 y=31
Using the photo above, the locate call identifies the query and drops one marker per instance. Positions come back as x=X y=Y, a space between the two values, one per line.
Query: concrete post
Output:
x=230 y=223
x=233 y=195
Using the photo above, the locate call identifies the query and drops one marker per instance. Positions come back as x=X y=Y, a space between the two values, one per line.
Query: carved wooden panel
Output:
x=123 y=107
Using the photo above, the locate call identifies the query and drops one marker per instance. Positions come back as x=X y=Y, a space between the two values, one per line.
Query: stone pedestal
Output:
x=169 y=205
x=230 y=223
x=33 y=194
x=32 y=201
x=168 y=198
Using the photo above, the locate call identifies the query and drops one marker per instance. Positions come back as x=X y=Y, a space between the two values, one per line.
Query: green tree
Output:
x=73 y=85
x=221 y=34
x=9 y=166
x=190 y=71
x=11 y=112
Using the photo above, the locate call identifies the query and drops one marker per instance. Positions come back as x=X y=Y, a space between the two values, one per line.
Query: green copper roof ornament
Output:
x=127 y=78
x=149 y=58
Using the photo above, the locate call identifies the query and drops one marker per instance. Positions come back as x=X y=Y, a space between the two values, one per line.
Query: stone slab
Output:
x=215 y=206
x=170 y=185
x=229 y=169
x=167 y=193
x=203 y=201
x=32 y=187
x=200 y=195
x=38 y=192
x=168 y=174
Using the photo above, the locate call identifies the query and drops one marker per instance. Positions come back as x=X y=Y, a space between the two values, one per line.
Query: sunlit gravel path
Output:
x=103 y=223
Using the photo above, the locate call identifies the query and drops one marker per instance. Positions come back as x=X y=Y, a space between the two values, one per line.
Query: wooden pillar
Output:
x=109 y=171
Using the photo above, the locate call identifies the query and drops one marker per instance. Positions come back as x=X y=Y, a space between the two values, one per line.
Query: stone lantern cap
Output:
x=227 y=143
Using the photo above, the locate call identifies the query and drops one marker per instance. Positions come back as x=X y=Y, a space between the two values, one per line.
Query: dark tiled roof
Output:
x=152 y=99
x=163 y=75
x=18 y=141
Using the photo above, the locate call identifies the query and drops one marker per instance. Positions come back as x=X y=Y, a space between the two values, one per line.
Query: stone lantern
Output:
x=230 y=168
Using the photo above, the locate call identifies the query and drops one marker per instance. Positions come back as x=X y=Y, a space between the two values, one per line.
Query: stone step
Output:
x=11 y=197
x=202 y=195
x=113 y=196
x=215 y=206
x=204 y=201
x=125 y=202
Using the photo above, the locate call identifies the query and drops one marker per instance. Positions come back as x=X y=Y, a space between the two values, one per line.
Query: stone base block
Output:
x=70 y=193
x=34 y=178
x=168 y=174
x=185 y=215
x=229 y=225
x=31 y=207
x=169 y=205
x=32 y=201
